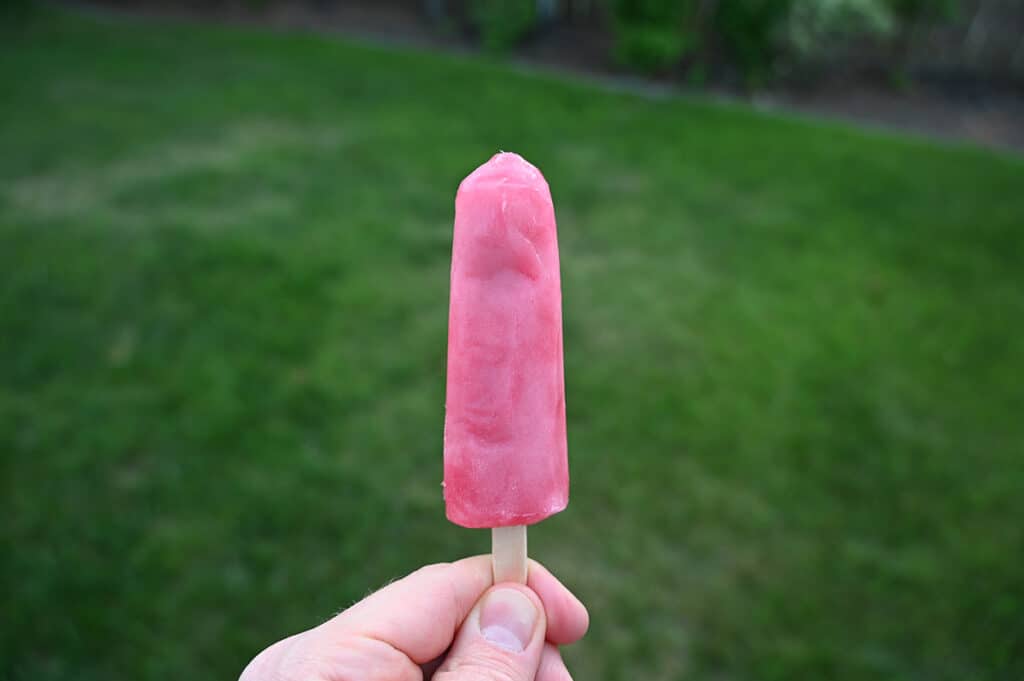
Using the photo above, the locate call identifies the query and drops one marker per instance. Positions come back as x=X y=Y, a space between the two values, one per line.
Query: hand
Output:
x=446 y=622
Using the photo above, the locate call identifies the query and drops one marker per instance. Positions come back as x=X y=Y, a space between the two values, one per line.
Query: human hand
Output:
x=446 y=622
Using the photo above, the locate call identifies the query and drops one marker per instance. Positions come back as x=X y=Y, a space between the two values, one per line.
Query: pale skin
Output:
x=444 y=622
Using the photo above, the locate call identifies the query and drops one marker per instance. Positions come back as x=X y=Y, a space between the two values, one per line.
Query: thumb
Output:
x=501 y=639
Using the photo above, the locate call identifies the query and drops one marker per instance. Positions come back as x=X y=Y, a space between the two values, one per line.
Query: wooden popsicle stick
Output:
x=508 y=554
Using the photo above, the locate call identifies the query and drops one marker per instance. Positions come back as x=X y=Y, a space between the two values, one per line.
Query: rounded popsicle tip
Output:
x=505 y=167
x=504 y=221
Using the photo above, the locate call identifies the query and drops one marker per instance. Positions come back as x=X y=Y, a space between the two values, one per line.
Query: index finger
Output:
x=420 y=614
x=568 y=618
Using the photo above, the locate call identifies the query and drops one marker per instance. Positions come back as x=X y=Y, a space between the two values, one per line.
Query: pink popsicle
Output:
x=505 y=452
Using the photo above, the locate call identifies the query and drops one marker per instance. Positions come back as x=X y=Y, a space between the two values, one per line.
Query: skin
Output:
x=428 y=626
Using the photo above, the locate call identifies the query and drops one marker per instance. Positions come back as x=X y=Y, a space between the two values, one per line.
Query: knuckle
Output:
x=361 y=658
x=481 y=667
x=432 y=569
x=269 y=664
x=310 y=657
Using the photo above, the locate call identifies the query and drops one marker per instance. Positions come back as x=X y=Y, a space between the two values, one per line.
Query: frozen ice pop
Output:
x=505 y=453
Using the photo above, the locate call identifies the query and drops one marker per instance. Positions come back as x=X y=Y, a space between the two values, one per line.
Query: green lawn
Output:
x=794 y=363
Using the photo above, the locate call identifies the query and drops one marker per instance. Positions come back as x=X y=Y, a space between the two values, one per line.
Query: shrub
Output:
x=16 y=10
x=912 y=12
x=816 y=27
x=503 y=23
x=652 y=35
x=751 y=31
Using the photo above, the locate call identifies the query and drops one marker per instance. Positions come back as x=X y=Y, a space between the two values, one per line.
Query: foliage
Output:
x=752 y=31
x=649 y=48
x=16 y=11
x=924 y=11
x=651 y=35
x=793 y=361
x=911 y=14
x=503 y=23
x=815 y=27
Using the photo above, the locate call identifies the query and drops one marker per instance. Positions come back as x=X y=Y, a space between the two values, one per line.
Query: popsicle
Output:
x=505 y=452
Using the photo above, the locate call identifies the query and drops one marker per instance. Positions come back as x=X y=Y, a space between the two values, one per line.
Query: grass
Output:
x=793 y=359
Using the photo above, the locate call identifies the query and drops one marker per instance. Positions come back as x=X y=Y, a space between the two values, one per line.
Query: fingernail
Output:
x=507 y=619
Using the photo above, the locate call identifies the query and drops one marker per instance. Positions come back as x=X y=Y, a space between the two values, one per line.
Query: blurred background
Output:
x=791 y=241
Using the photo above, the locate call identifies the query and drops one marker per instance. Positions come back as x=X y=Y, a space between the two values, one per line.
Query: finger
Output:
x=419 y=614
x=267 y=664
x=427 y=670
x=417 y=617
x=502 y=639
x=568 y=619
x=552 y=668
